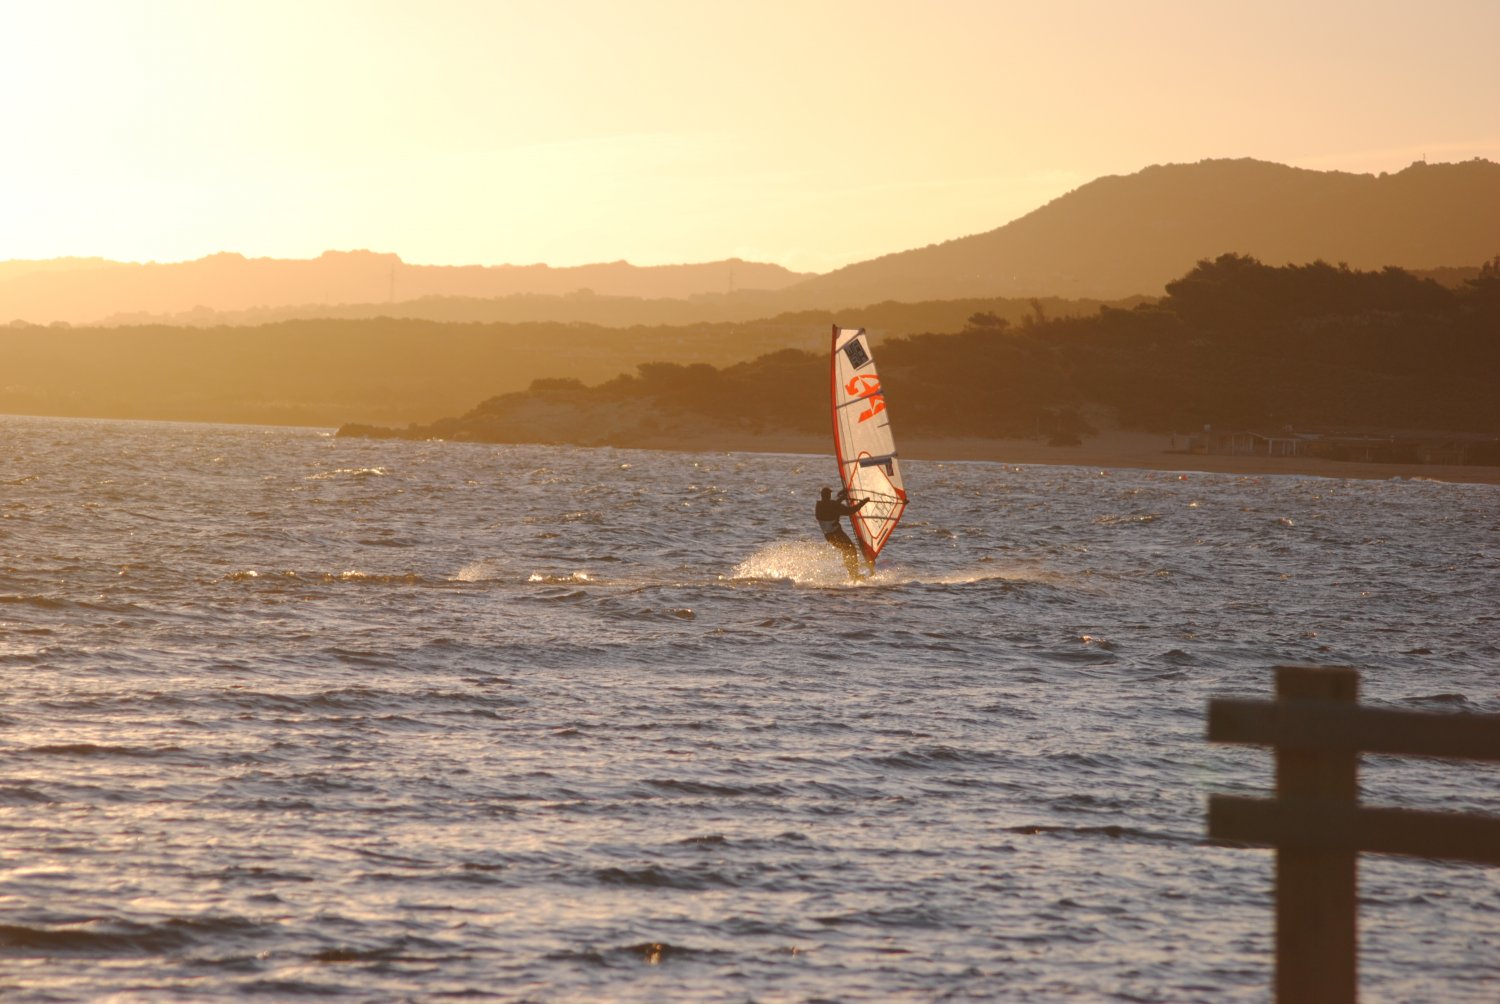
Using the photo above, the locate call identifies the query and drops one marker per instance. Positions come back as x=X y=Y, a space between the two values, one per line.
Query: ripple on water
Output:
x=439 y=734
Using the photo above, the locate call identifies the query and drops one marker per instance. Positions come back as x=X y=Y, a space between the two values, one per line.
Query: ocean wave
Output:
x=288 y=577
x=356 y=473
x=569 y=578
x=483 y=570
x=24 y=794
x=375 y=578
x=42 y=602
x=350 y=698
x=927 y=757
x=658 y=877
x=679 y=786
x=560 y=596
x=118 y=938
x=1113 y=831
x=1126 y=519
x=650 y=953
x=1454 y=701
x=107 y=752
x=390 y=540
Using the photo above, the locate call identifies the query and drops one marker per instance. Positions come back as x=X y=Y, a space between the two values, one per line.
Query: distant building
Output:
x=1404 y=447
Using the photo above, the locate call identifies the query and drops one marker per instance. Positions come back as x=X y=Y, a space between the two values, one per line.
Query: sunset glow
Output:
x=810 y=135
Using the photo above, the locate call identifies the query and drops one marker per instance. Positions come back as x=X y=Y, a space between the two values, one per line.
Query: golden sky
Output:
x=810 y=133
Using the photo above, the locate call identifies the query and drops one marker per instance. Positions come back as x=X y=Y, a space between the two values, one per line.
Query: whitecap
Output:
x=475 y=571
x=349 y=472
x=558 y=580
x=801 y=561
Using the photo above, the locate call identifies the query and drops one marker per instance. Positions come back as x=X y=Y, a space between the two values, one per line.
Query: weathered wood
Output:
x=1316 y=824
x=1317 y=943
x=1438 y=835
x=1330 y=725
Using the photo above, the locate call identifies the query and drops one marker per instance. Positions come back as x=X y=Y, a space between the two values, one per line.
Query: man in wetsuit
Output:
x=828 y=512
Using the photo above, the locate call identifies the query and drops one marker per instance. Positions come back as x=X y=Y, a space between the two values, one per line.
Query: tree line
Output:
x=1234 y=343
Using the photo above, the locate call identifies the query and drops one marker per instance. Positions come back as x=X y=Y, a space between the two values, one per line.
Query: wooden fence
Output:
x=1316 y=823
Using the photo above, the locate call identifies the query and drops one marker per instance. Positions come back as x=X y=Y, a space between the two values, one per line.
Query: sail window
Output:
x=855 y=350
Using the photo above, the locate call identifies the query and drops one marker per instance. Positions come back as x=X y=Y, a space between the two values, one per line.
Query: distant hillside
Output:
x=388 y=370
x=584 y=306
x=92 y=290
x=1235 y=344
x=1118 y=236
x=1114 y=237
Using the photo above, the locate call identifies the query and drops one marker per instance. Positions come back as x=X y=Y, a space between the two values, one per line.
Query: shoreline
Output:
x=1119 y=450
x=1116 y=449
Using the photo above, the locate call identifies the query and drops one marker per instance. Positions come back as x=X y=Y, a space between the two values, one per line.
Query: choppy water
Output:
x=292 y=716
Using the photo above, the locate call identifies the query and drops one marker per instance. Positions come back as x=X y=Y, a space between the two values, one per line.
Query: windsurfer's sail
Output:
x=862 y=441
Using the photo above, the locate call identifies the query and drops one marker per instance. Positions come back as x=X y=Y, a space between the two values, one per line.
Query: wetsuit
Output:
x=828 y=513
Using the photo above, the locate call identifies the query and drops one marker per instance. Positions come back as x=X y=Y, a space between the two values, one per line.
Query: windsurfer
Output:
x=829 y=511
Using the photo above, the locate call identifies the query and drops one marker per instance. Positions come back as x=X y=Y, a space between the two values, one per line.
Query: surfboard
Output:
x=862 y=442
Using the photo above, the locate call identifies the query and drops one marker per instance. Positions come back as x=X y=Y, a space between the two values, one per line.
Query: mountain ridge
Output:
x=1113 y=237
x=92 y=290
x=1134 y=233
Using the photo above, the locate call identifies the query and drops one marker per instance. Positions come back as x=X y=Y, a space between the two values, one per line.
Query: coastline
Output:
x=1119 y=450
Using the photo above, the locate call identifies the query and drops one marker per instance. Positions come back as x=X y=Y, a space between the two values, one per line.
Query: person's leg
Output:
x=851 y=557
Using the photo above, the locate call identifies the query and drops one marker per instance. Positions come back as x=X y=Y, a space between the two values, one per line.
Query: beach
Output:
x=1116 y=449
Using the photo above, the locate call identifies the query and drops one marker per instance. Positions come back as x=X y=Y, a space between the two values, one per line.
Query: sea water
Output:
x=289 y=716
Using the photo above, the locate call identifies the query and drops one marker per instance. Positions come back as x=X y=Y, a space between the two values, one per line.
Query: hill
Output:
x=1234 y=344
x=1111 y=238
x=392 y=370
x=95 y=291
x=1133 y=234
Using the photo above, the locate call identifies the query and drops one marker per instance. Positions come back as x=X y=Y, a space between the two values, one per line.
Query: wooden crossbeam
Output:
x=1286 y=823
x=1341 y=726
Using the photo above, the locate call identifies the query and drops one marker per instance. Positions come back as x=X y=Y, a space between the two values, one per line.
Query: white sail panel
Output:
x=862 y=441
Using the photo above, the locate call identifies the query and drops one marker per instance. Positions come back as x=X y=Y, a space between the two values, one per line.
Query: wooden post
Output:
x=1316 y=823
x=1317 y=942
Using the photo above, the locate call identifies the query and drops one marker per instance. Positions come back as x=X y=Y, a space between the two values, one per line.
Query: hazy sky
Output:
x=811 y=134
